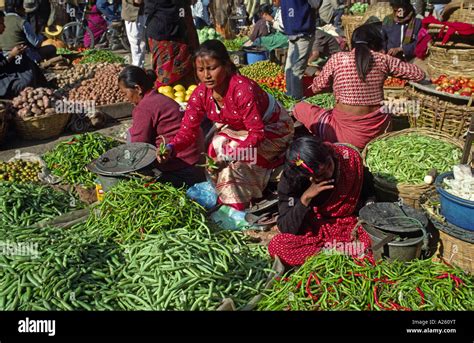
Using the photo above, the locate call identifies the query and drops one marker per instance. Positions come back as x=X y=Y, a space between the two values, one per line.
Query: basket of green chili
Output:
x=400 y=161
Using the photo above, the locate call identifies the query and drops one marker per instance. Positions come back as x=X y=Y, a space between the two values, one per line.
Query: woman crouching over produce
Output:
x=254 y=131
x=357 y=79
x=155 y=120
x=318 y=195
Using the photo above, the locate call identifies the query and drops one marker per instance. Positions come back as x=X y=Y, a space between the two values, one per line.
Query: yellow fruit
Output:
x=179 y=99
x=179 y=88
x=189 y=92
x=179 y=94
x=161 y=89
x=169 y=94
x=192 y=87
x=168 y=89
x=187 y=97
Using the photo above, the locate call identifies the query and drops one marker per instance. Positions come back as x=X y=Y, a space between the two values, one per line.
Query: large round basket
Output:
x=43 y=127
x=388 y=191
x=439 y=113
x=350 y=23
x=379 y=10
x=462 y=11
x=450 y=61
x=455 y=245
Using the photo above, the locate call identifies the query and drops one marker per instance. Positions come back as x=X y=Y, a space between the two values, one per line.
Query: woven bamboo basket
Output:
x=388 y=191
x=439 y=114
x=379 y=10
x=450 y=61
x=42 y=127
x=350 y=23
x=455 y=245
x=462 y=11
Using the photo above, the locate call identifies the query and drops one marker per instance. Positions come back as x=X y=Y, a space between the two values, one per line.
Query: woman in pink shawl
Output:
x=96 y=23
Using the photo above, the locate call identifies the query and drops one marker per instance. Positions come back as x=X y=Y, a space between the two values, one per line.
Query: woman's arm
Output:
x=191 y=123
x=404 y=70
x=325 y=77
x=290 y=209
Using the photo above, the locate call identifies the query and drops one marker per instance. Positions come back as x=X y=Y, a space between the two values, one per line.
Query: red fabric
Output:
x=421 y=48
x=462 y=29
x=337 y=126
x=245 y=104
x=340 y=72
x=171 y=61
x=157 y=115
x=332 y=223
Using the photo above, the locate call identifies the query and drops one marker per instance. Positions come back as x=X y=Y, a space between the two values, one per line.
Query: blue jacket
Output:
x=298 y=17
x=393 y=35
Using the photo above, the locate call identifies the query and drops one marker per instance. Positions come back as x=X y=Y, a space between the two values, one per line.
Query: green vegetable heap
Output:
x=69 y=158
x=359 y=8
x=408 y=158
x=235 y=44
x=100 y=56
x=261 y=70
x=331 y=281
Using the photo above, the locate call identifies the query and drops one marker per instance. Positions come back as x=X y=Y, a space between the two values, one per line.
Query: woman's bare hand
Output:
x=315 y=189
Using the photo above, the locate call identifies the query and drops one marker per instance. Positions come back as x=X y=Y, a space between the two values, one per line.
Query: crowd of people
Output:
x=322 y=184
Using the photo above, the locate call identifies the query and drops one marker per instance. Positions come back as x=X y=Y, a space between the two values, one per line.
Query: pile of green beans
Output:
x=286 y=100
x=26 y=204
x=69 y=158
x=133 y=209
x=330 y=281
x=408 y=158
x=324 y=100
x=186 y=264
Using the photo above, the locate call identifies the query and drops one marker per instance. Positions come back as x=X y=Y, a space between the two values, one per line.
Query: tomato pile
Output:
x=457 y=85
x=394 y=82
x=278 y=82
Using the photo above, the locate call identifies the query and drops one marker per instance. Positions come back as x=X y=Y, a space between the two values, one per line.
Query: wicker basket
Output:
x=439 y=114
x=455 y=245
x=43 y=127
x=379 y=10
x=350 y=23
x=450 y=61
x=462 y=11
x=387 y=191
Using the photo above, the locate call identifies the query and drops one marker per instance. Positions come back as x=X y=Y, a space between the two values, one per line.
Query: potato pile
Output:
x=71 y=77
x=103 y=88
x=35 y=102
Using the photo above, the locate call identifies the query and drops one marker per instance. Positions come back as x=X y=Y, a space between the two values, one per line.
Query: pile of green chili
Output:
x=26 y=204
x=177 y=262
x=408 y=158
x=324 y=100
x=69 y=158
x=331 y=281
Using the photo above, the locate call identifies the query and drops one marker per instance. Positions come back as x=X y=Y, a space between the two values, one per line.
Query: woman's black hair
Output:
x=265 y=8
x=401 y=4
x=13 y=6
x=312 y=151
x=215 y=49
x=2 y=14
x=132 y=76
x=365 y=38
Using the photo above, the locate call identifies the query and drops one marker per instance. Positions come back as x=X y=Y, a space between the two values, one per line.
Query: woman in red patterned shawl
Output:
x=254 y=129
x=318 y=196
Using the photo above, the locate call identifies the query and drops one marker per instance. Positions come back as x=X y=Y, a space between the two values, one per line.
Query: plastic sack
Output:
x=229 y=218
x=204 y=194
x=45 y=175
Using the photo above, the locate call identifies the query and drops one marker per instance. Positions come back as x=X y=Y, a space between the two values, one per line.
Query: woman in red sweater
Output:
x=356 y=78
x=156 y=119
x=254 y=129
